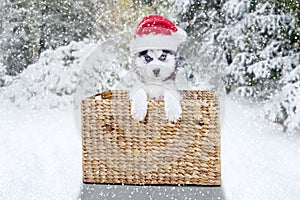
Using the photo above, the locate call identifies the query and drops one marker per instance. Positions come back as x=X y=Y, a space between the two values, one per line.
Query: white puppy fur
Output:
x=155 y=72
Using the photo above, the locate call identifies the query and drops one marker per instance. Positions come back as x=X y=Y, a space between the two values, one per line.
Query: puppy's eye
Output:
x=148 y=58
x=162 y=57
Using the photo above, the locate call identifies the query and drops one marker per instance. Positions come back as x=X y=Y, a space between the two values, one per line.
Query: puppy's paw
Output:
x=172 y=107
x=139 y=111
x=139 y=105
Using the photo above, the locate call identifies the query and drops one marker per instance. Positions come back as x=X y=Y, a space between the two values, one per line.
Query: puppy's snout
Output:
x=156 y=71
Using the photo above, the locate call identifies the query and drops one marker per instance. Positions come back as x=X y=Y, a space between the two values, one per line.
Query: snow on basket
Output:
x=119 y=149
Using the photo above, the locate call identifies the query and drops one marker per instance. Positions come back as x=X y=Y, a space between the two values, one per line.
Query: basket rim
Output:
x=101 y=96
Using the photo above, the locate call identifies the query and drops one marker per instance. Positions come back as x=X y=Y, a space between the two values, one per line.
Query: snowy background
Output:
x=53 y=54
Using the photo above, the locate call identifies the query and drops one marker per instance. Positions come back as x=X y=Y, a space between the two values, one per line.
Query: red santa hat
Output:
x=156 y=32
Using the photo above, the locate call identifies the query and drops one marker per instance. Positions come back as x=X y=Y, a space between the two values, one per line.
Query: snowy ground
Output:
x=40 y=158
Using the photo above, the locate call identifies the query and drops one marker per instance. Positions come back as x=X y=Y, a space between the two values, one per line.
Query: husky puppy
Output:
x=155 y=71
x=153 y=47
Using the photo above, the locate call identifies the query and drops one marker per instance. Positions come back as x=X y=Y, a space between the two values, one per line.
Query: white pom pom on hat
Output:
x=156 y=32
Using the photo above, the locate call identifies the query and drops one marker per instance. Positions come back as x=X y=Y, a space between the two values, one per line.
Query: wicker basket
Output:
x=119 y=149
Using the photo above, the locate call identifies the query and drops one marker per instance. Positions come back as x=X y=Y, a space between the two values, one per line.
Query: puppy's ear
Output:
x=143 y=53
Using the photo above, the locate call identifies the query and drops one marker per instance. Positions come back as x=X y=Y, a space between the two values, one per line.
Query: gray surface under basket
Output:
x=132 y=192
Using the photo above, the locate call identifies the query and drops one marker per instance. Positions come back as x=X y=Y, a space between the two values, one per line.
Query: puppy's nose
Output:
x=156 y=71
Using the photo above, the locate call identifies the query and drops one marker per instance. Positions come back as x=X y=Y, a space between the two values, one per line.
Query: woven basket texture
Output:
x=120 y=150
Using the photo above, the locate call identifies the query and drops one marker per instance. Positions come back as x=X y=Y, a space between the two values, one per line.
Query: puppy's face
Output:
x=155 y=65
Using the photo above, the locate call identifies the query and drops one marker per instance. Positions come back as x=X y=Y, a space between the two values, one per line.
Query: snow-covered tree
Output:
x=259 y=41
x=51 y=81
x=198 y=17
x=201 y=56
x=284 y=107
x=64 y=21
x=261 y=46
x=17 y=38
x=30 y=27
x=264 y=54
x=80 y=69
